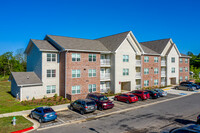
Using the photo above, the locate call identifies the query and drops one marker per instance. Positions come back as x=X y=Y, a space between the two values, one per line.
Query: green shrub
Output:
x=61 y=98
x=48 y=99
x=33 y=98
x=45 y=97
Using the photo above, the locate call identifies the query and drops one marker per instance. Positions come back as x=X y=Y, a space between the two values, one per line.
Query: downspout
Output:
x=65 y=72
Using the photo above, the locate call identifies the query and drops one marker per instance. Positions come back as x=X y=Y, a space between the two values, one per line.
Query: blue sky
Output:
x=21 y=20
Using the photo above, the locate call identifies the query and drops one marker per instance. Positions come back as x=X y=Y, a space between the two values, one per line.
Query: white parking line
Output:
x=60 y=120
x=77 y=113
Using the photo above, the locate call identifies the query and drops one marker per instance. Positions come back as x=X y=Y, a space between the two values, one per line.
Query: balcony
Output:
x=104 y=89
x=138 y=75
x=138 y=87
x=163 y=63
x=163 y=74
x=138 y=63
x=105 y=62
x=105 y=76
x=163 y=83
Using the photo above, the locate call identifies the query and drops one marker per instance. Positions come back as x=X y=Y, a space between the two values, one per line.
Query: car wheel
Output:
x=82 y=112
x=188 y=89
x=115 y=99
x=31 y=116
x=40 y=120
x=127 y=101
x=176 y=88
x=100 y=108
x=71 y=107
x=198 y=121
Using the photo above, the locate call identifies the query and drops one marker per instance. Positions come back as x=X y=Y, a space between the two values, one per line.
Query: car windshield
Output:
x=103 y=98
x=90 y=103
x=132 y=95
x=48 y=110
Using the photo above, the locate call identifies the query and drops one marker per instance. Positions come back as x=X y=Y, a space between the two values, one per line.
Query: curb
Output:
x=166 y=89
x=23 y=130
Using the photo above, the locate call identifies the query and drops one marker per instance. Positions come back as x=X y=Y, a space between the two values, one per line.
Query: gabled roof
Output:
x=184 y=55
x=113 y=42
x=154 y=47
x=42 y=45
x=26 y=78
x=70 y=43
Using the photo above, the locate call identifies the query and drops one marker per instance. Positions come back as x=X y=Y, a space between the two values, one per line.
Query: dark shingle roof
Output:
x=184 y=55
x=78 y=43
x=156 y=46
x=113 y=42
x=43 y=45
x=26 y=78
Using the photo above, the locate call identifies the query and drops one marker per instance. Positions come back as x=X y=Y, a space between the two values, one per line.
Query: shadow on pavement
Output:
x=185 y=122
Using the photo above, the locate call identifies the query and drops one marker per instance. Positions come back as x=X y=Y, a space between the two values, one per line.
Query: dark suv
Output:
x=190 y=83
x=83 y=105
x=102 y=101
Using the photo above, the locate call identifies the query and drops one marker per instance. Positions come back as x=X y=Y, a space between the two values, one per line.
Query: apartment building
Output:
x=73 y=67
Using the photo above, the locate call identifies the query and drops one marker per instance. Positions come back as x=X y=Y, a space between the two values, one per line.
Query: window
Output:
x=51 y=57
x=146 y=70
x=146 y=59
x=155 y=59
x=76 y=89
x=156 y=82
x=186 y=60
x=181 y=69
x=181 y=60
x=92 y=57
x=51 y=89
x=173 y=60
x=146 y=83
x=186 y=69
x=92 y=87
x=186 y=78
x=125 y=72
x=125 y=58
x=155 y=70
x=76 y=57
x=173 y=70
x=51 y=73
x=181 y=79
x=76 y=73
x=92 y=72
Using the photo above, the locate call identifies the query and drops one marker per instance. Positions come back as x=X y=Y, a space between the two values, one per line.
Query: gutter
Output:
x=87 y=51
x=23 y=85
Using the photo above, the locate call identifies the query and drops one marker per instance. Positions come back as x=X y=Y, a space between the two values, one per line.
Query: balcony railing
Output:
x=138 y=87
x=163 y=83
x=163 y=73
x=138 y=75
x=105 y=76
x=105 y=61
x=104 y=89
x=138 y=63
x=163 y=63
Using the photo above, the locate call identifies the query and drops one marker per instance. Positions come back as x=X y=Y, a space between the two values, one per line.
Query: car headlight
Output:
x=104 y=104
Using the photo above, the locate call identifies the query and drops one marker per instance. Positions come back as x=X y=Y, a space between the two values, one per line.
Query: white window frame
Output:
x=186 y=69
x=92 y=88
x=51 y=58
x=76 y=73
x=186 y=78
x=181 y=69
x=146 y=71
x=76 y=57
x=92 y=73
x=125 y=58
x=76 y=89
x=146 y=59
x=155 y=81
x=156 y=71
x=146 y=83
x=156 y=59
x=92 y=57
x=173 y=70
x=180 y=79
x=125 y=71
x=173 y=60
x=50 y=89
x=186 y=60
x=181 y=60
x=51 y=73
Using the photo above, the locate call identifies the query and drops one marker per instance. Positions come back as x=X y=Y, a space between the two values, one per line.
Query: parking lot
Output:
x=68 y=116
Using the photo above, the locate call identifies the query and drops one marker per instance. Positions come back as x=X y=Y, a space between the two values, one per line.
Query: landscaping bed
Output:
x=7 y=127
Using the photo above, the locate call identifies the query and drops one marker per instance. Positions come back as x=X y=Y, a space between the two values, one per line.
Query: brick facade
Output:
x=83 y=65
x=151 y=65
x=184 y=65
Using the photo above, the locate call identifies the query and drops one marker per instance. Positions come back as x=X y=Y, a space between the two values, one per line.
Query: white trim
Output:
x=88 y=51
x=44 y=50
x=23 y=85
x=137 y=43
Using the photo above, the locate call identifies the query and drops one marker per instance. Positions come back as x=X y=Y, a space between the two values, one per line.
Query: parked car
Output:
x=161 y=92
x=198 y=119
x=128 y=98
x=191 y=128
x=153 y=94
x=43 y=114
x=83 y=106
x=191 y=83
x=142 y=95
x=102 y=101
x=187 y=87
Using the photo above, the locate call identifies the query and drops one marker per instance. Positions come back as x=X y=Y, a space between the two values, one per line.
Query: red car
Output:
x=142 y=95
x=128 y=98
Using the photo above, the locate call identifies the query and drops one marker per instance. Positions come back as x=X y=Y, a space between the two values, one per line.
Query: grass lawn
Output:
x=7 y=127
